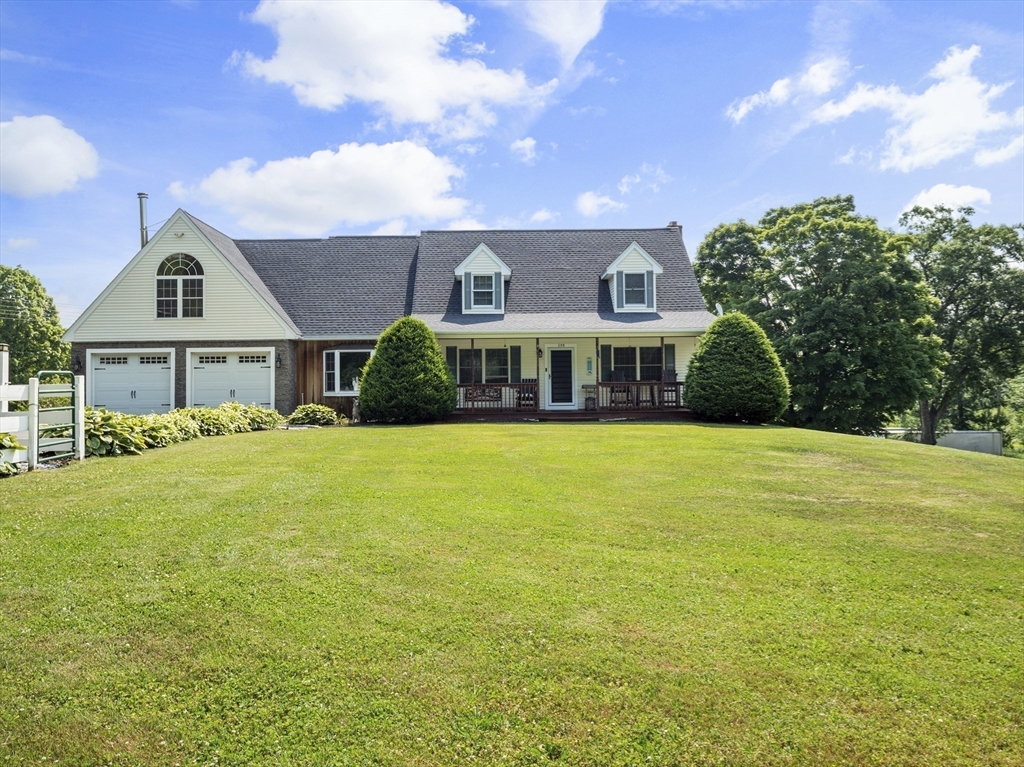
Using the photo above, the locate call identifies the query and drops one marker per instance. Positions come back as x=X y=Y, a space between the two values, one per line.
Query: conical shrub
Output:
x=406 y=379
x=735 y=374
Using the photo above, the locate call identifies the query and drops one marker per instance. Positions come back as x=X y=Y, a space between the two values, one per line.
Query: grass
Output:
x=589 y=594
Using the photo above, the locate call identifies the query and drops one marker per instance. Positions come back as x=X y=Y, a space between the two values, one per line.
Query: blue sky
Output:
x=307 y=119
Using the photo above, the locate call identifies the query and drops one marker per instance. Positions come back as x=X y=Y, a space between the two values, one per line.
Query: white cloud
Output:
x=393 y=55
x=585 y=111
x=568 y=24
x=948 y=119
x=992 y=156
x=38 y=156
x=397 y=226
x=466 y=223
x=950 y=196
x=542 y=216
x=649 y=176
x=358 y=184
x=591 y=204
x=817 y=79
x=525 y=150
x=21 y=243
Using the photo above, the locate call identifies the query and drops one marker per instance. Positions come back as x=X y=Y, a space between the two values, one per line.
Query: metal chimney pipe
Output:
x=143 y=227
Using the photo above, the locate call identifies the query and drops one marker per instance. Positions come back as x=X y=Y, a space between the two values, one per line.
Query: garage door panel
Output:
x=131 y=382
x=244 y=377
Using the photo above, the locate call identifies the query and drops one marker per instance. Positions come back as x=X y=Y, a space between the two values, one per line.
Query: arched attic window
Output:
x=179 y=287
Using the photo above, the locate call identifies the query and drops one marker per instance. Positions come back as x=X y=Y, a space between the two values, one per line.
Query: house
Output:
x=528 y=320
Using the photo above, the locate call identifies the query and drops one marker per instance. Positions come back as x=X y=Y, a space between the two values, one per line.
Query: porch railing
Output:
x=639 y=395
x=498 y=397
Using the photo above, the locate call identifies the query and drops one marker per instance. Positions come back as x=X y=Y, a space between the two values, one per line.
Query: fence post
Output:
x=79 y=417
x=33 y=423
x=5 y=371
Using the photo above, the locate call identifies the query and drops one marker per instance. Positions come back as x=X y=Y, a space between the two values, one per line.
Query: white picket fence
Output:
x=24 y=425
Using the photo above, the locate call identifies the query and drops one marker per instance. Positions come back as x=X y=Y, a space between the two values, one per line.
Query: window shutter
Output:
x=499 y=290
x=452 y=356
x=650 y=289
x=606 y=362
x=467 y=291
x=670 y=356
x=620 y=290
x=515 y=364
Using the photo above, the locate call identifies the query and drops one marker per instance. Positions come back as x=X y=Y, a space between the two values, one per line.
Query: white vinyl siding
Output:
x=634 y=262
x=482 y=263
x=230 y=310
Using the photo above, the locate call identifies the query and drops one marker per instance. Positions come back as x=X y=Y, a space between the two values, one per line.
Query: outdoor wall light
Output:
x=77 y=364
x=540 y=352
x=277 y=361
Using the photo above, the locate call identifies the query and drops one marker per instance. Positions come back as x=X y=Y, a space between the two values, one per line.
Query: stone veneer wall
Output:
x=284 y=376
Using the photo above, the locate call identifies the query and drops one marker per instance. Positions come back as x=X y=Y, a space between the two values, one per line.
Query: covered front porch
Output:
x=593 y=375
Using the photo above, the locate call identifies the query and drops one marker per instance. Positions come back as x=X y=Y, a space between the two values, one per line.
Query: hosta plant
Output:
x=314 y=415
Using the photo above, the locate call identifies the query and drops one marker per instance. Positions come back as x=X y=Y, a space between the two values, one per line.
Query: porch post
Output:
x=472 y=372
x=662 y=387
x=537 y=354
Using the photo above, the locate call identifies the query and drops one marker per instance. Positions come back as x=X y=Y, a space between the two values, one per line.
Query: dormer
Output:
x=632 y=280
x=483 y=276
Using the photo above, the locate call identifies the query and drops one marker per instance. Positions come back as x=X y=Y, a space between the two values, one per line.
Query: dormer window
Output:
x=483 y=277
x=632 y=280
x=635 y=289
x=483 y=291
x=179 y=287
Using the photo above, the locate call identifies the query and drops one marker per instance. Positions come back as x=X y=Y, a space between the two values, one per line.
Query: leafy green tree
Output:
x=976 y=275
x=735 y=374
x=30 y=325
x=406 y=379
x=843 y=306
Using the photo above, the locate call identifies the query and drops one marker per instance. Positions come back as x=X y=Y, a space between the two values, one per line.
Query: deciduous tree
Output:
x=843 y=306
x=29 y=325
x=976 y=275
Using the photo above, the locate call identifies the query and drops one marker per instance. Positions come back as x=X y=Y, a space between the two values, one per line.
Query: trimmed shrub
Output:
x=313 y=415
x=735 y=374
x=406 y=379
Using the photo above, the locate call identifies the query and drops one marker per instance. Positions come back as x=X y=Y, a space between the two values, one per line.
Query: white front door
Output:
x=131 y=382
x=244 y=376
x=561 y=378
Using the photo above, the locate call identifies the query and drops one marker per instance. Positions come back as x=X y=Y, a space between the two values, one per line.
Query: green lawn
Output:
x=583 y=594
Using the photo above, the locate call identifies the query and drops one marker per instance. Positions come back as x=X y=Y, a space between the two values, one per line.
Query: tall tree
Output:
x=844 y=307
x=976 y=274
x=29 y=325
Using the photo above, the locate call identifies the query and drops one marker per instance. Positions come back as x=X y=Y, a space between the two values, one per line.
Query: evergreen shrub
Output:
x=735 y=374
x=313 y=415
x=406 y=379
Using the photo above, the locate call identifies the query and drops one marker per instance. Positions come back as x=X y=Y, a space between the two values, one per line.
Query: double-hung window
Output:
x=483 y=291
x=179 y=287
x=635 y=289
x=343 y=368
x=488 y=366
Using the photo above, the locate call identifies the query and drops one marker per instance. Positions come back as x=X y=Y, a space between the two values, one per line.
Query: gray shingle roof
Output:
x=341 y=286
x=547 y=323
x=230 y=251
x=352 y=286
x=554 y=271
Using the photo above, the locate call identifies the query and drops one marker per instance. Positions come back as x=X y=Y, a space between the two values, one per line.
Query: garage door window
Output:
x=179 y=287
x=342 y=370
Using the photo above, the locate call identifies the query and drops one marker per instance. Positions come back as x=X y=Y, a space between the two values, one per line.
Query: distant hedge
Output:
x=735 y=374
x=406 y=379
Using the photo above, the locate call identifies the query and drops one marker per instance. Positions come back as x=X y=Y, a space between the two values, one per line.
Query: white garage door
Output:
x=243 y=376
x=131 y=382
